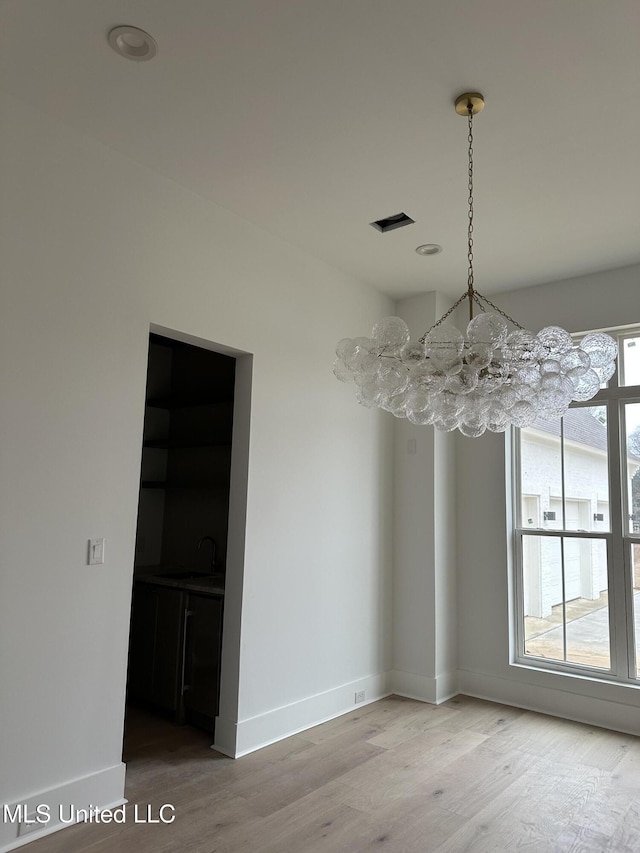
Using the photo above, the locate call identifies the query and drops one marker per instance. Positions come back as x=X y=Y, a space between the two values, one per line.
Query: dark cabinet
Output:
x=202 y=635
x=155 y=647
x=174 y=653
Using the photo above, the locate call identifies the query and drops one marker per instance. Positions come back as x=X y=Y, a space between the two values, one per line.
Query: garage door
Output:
x=573 y=549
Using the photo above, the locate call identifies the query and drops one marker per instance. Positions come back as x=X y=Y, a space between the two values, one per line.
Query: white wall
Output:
x=424 y=586
x=602 y=300
x=95 y=248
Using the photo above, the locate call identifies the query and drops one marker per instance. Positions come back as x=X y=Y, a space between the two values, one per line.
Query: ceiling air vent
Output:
x=398 y=220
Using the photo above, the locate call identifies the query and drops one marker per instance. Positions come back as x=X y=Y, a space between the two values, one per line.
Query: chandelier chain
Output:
x=470 y=214
x=471 y=294
x=478 y=296
x=464 y=296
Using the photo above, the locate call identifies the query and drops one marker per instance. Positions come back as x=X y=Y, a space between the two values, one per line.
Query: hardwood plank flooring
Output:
x=396 y=775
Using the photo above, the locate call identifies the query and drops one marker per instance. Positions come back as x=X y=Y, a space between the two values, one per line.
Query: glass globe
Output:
x=477 y=403
x=494 y=376
x=396 y=404
x=366 y=398
x=586 y=386
x=392 y=378
x=390 y=334
x=412 y=353
x=550 y=382
x=575 y=362
x=427 y=376
x=600 y=348
x=418 y=399
x=507 y=397
x=472 y=428
x=522 y=413
x=554 y=341
x=344 y=348
x=341 y=371
x=605 y=373
x=487 y=329
x=446 y=423
x=368 y=371
x=550 y=365
x=444 y=344
x=497 y=418
x=521 y=346
x=360 y=355
x=479 y=356
x=528 y=374
x=500 y=371
x=462 y=382
x=423 y=418
x=453 y=367
x=526 y=386
x=554 y=398
x=446 y=404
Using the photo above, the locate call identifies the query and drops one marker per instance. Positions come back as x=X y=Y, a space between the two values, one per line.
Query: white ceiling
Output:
x=312 y=118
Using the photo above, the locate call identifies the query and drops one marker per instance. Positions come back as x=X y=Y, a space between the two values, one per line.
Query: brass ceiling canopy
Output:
x=473 y=100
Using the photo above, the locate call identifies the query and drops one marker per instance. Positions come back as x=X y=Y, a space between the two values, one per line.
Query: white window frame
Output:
x=618 y=539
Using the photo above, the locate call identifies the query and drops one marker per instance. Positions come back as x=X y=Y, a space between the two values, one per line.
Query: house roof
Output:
x=579 y=426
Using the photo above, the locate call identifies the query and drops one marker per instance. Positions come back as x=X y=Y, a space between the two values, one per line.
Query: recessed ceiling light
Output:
x=429 y=249
x=133 y=43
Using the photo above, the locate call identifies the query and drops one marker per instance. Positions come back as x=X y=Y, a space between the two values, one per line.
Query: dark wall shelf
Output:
x=193 y=401
x=186 y=484
x=179 y=444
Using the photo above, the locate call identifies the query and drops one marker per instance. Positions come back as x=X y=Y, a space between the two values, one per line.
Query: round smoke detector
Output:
x=133 y=43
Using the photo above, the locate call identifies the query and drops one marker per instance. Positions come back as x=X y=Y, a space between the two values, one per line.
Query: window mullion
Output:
x=564 y=527
x=621 y=620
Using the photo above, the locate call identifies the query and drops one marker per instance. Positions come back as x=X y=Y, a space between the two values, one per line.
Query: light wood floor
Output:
x=397 y=776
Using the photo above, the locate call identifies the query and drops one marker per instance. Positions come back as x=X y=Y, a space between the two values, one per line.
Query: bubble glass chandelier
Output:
x=494 y=375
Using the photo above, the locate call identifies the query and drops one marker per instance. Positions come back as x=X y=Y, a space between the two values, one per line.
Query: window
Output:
x=577 y=535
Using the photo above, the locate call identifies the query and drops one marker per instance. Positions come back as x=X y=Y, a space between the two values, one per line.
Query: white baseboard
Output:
x=555 y=701
x=101 y=790
x=238 y=739
x=423 y=688
x=226 y=736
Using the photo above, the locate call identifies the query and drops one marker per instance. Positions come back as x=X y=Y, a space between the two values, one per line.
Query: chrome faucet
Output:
x=204 y=539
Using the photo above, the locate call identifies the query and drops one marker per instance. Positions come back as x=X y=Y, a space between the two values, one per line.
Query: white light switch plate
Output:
x=96 y=552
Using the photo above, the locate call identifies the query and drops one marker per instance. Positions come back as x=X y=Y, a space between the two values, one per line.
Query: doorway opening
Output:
x=189 y=544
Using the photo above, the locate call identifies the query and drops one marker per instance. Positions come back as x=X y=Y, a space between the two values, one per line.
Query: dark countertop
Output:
x=208 y=585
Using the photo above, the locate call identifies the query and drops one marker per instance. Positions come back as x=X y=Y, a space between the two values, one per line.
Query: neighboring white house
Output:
x=586 y=507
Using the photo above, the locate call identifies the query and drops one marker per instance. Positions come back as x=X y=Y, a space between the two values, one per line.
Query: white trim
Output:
x=555 y=701
x=424 y=688
x=274 y=725
x=226 y=736
x=101 y=790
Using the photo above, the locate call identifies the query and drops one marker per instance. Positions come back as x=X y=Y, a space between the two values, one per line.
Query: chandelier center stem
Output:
x=470 y=292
